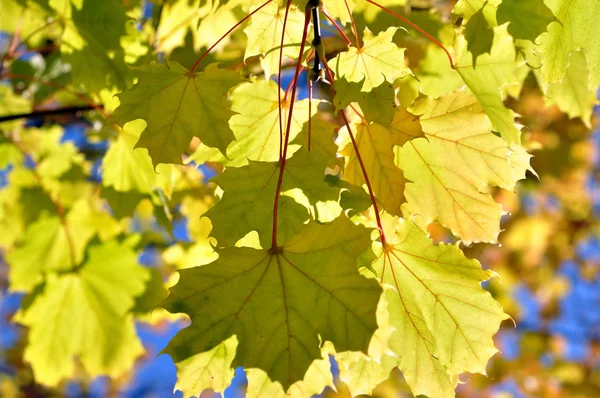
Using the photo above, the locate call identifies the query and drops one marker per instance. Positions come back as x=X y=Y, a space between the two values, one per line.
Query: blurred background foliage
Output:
x=549 y=259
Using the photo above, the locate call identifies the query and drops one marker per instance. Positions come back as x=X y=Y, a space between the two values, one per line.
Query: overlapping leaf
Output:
x=573 y=95
x=375 y=144
x=487 y=77
x=264 y=35
x=85 y=314
x=454 y=165
x=256 y=125
x=280 y=301
x=178 y=105
x=444 y=319
x=206 y=21
x=377 y=61
x=52 y=245
x=576 y=29
x=126 y=168
x=247 y=204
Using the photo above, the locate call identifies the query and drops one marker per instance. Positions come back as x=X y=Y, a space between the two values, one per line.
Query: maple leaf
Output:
x=375 y=143
x=280 y=301
x=45 y=246
x=86 y=314
x=207 y=370
x=205 y=21
x=527 y=19
x=53 y=245
x=11 y=104
x=126 y=168
x=178 y=105
x=247 y=204
x=256 y=126
x=444 y=319
x=377 y=105
x=264 y=35
x=340 y=9
x=468 y=8
x=486 y=79
x=318 y=377
x=91 y=41
x=573 y=95
x=377 y=61
x=576 y=29
x=450 y=168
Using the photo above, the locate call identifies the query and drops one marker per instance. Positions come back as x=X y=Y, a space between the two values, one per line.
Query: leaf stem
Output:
x=283 y=159
x=310 y=94
x=337 y=26
x=285 y=18
x=415 y=26
x=353 y=23
x=360 y=161
x=234 y=27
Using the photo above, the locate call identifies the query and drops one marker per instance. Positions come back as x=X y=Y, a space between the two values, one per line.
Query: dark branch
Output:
x=44 y=113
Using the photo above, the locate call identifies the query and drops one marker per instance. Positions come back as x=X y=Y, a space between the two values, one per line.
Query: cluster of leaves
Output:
x=313 y=242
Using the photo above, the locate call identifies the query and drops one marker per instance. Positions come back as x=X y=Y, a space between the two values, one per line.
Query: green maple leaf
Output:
x=377 y=105
x=436 y=76
x=264 y=35
x=247 y=204
x=12 y=104
x=85 y=314
x=377 y=61
x=207 y=370
x=338 y=9
x=178 y=105
x=45 y=247
x=205 y=22
x=453 y=166
x=280 y=301
x=256 y=125
x=91 y=43
x=468 y=8
x=486 y=79
x=573 y=95
x=126 y=168
x=53 y=245
x=576 y=29
x=444 y=319
x=479 y=36
x=528 y=19
x=317 y=378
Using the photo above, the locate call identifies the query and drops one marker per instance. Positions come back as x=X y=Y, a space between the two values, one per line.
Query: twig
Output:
x=47 y=112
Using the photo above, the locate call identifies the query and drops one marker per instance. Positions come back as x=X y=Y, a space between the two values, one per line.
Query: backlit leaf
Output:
x=377 y=61
x=444 y=319
x=178 y=105
x=454 y=165
x=576 y=29
x=86 y=314
x=280 y=301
